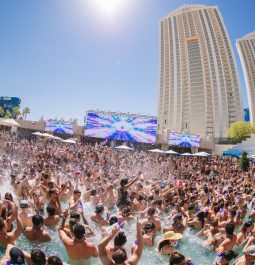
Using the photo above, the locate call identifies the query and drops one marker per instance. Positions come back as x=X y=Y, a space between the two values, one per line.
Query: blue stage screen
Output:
x=182 y=139
x=124 y=128
x=61 y=127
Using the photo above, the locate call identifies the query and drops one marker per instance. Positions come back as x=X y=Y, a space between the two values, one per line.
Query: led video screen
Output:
x=115 y=127
x=59 y=127
x=182 y=139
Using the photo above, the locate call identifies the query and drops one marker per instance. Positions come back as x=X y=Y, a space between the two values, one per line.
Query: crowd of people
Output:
x=52 y=184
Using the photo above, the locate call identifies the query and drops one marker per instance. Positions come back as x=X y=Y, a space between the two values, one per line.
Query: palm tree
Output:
x=1 y=112
x=16 y=112
x=25 y=111
x=8 y=114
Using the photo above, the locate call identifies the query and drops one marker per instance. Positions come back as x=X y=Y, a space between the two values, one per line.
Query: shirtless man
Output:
x=9 y=237
x=119 y=256
x=78 y=248
x=97 y=216
x=249 y=253
x=52 y=219
x=151 y=218
x=37 y=232
x=54 y=201
x=25 y=217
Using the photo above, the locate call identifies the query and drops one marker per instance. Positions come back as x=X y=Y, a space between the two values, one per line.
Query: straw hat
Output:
x=171 y=235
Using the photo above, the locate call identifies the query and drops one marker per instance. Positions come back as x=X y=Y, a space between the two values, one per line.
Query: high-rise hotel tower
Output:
x=246 y=50
x=199 y=86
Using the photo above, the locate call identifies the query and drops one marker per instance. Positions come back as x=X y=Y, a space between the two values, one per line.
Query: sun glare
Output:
x=108 y=7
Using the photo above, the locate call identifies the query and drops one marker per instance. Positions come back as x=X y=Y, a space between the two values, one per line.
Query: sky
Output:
x=64 y=57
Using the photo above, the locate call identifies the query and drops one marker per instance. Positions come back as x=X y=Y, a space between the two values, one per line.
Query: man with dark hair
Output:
x=54 y=260
x=37 y=232
x=52 y=219
x=78 y=248
x=119 y=255
x=38 y=257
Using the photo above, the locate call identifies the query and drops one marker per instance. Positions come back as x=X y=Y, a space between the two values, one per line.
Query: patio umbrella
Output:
x=123 y=147
x=201 y=154
x=156 y=151
x=171 y=152
x=69 y=141
x=186 y=154
x=9 y=122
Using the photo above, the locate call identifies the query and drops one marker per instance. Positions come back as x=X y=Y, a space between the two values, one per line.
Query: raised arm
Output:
x=134 y=259
x=132 y=182
x=102 y=246
x=16 y=233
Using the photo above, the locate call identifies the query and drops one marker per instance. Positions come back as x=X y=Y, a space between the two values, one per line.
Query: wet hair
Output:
x=54 y=260
x=233 y=213
x=176 y=258
x=123 y=182
x=8 y=195
x=77 y=191
x=126 y=211
x=38 y=257
x=99 y=208
x=151 y=211
x=113 y=220
x=119 y=256
x=230 y=227
x=149 y=227
x=52 y=191
x=51 y=210
x=79 y=231
x=37 y=220
x=120 y=239
x=201 y=218
x=75 y=215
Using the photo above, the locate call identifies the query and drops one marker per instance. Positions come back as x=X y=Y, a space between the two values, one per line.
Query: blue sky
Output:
x=64 y=57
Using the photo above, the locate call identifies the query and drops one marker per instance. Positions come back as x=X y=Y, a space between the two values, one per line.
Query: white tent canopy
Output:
x=37 y=133
x=123 y=147
x=156 y=151
x=69 y=141
x=201 y=154
x=171 y=152
x=9 y=122
x=186 y=154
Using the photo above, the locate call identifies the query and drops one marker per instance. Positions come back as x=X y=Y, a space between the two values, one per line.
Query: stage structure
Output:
x=59 y=126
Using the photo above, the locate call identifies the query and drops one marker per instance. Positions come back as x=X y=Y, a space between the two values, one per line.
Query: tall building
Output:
x=199 y=90
x=246 y=50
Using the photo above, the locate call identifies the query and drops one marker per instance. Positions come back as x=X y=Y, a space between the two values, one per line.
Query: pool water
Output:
x=190 y=245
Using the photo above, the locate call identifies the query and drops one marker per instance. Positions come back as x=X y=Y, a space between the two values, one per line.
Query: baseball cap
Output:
x=17 y=256
x=250 y=251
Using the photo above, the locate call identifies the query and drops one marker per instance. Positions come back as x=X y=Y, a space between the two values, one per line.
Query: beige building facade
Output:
x=199 y=90
x=246 y=50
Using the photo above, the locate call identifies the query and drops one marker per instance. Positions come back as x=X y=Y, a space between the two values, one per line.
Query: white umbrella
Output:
x=186 y=154
x=37 y=133
x=171 y=152
x=51 y=136
x=69 y=141
x=123 y=147
x=156 y=151
x=201 y=154
x=9 y=122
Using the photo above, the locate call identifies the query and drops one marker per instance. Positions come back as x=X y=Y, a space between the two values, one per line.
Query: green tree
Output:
x=240 y=129
x=8 y=114
x=25 y=112
x=16 y=112
x=244 y=162
x=1 y=112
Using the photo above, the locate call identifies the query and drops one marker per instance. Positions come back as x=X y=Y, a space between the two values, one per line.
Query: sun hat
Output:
x=171 y=235
x=17 y=256
x=250 y=251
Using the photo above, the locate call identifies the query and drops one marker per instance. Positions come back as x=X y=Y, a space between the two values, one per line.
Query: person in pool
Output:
x=177 y=258
x=78 y=248
x=14 y=256
x=9 y=237
x=119 y=255
x=97 y=216
x=165 y=245
x=37 y=232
